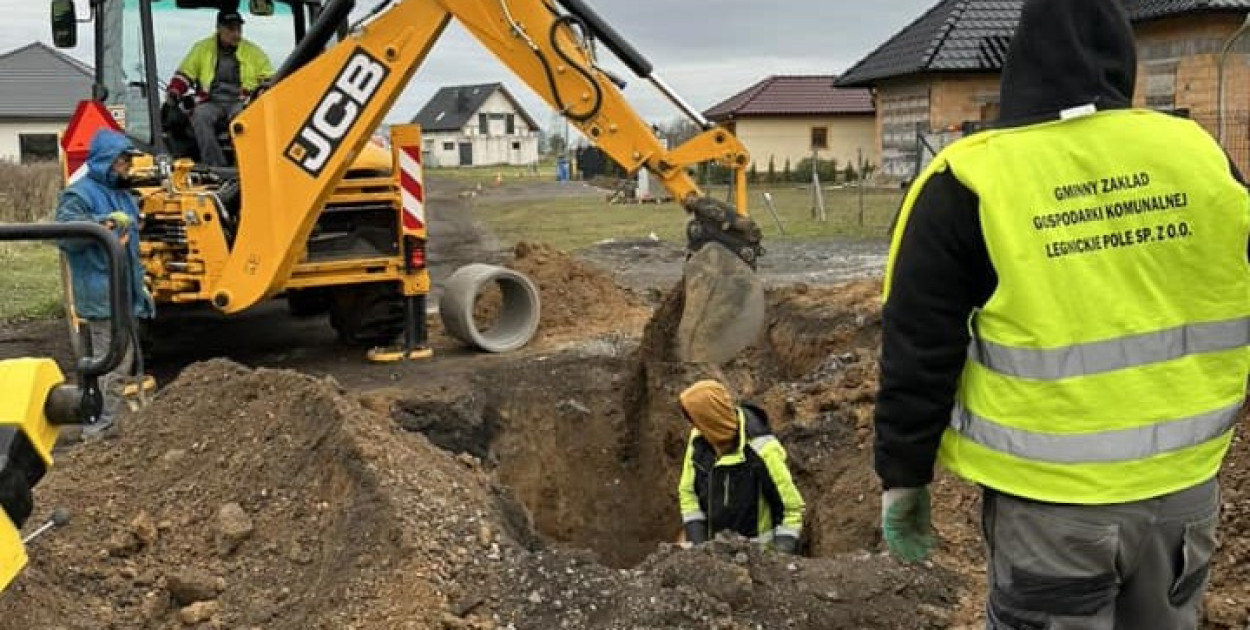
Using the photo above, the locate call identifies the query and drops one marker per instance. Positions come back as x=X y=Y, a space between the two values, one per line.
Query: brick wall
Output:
x=1178 y=68
x=927 y=103
x=902 y=105
x=956 y=99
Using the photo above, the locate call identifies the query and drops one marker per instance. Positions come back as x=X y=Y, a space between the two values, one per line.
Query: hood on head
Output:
x=711 y=409
x=1067 y=53
x=105 y=147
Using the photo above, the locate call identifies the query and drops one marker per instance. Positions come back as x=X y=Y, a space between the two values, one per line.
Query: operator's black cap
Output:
x=228 y=17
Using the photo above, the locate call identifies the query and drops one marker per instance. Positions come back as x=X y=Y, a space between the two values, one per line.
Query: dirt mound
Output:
x=578 y=299
x=265 y=493
x=543 y=497
x=575 y=295
x=260 y=498
x=816 y=371
x=730 y=585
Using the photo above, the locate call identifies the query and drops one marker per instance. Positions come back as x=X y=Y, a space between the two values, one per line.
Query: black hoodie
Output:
x=1065 y=53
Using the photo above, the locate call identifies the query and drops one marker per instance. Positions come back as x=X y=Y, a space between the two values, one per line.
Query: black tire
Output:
x=367 y=315
x=307 y=303
x=157 y=340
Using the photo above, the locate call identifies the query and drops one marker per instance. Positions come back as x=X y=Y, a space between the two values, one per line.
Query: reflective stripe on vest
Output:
x=1110 y=363
x=1052 y=364
x=1116 y=445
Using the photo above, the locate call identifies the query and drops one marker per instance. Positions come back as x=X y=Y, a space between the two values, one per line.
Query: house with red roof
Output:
x=791 y=118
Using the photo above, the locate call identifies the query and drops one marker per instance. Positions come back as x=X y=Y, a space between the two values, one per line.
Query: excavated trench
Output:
x=590 y=441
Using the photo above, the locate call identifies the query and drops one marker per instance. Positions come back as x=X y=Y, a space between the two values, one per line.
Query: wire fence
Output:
x=1235 y=136
x=1232 y=130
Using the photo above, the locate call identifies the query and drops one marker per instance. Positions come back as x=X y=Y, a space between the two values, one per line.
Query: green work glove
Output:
x=906 y=523
x=786 y=544
x=120 y=219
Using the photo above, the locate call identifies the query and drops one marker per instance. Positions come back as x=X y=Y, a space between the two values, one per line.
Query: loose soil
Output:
x=538 y=497
x=530 y=490
x=539 y=493
x=577 y=299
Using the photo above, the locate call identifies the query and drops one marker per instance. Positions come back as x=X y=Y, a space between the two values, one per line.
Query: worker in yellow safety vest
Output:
x=1066 y=322
x=217 y=76
x=734 y=476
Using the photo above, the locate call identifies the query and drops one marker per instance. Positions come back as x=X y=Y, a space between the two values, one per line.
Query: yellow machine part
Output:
x=365 y=73
x=12 y=552
x=24 y=388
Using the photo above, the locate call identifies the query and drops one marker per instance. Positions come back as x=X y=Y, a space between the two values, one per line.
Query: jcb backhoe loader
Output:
x=317 y=212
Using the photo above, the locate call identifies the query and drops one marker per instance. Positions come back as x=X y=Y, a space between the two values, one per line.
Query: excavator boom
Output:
x=296 y=139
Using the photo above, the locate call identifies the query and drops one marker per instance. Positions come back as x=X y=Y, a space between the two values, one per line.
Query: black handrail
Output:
x=121 y=323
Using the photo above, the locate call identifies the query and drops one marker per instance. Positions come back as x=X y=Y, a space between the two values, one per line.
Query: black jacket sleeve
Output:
x=941 y=274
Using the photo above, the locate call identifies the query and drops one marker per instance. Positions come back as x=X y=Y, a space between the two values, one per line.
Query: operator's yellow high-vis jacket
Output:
x=1087 y=380
x=748 y=489
x=200 y=65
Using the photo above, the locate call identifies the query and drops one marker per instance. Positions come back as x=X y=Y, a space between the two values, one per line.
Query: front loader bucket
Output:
x=724 y=306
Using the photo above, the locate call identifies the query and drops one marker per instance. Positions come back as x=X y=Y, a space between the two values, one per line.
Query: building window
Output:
x=989 y=112
x=483 y=124
x=37 y=147
x=1161 y=84
x=449 y=146
x=516 y=146
x=820 y=137
x=509 y=124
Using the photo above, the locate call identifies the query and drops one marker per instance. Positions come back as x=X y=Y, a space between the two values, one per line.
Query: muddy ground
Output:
x=293 y=485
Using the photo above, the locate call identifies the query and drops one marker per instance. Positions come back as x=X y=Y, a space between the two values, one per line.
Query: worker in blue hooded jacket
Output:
x=101 y=196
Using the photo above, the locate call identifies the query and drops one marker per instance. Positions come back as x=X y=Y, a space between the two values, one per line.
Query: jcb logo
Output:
x=337 y=112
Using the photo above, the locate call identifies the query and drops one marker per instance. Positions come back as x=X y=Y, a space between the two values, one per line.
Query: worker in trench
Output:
x=1091 y=392
x=734 y=476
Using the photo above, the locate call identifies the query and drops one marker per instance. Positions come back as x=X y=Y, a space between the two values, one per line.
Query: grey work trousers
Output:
x=113 y=384
x=1105 y=567
x=207 y=120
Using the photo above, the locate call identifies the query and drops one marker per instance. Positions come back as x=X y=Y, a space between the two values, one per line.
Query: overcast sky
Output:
x=707 y=50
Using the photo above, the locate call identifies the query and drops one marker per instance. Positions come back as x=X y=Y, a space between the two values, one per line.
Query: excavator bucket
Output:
x=724 y=306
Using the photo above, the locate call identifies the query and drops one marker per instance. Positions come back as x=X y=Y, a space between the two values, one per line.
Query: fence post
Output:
x=768 y=201
x=818 y=197
x=859 y=171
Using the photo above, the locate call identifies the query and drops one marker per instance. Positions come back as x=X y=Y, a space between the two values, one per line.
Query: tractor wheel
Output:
x=307 y=302
x=367 y=314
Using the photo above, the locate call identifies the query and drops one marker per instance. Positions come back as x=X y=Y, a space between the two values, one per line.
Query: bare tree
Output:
x=678 y=131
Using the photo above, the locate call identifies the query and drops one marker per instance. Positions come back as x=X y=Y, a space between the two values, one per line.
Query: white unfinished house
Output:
x=477 y=125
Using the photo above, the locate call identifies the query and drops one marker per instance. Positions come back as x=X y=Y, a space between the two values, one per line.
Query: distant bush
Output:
x=827 y=169
x=28 y=192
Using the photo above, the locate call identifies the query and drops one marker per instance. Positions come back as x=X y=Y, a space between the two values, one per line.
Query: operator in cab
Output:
x=215 y=79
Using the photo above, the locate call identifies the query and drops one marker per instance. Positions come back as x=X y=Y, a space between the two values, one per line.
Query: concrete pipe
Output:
x=518 y=314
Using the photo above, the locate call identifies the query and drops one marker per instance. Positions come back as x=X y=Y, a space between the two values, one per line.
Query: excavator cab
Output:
x=140 y=43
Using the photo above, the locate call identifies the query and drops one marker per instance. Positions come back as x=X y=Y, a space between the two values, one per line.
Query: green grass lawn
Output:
x=575 y=223
x=30 y=282
x=484 y=175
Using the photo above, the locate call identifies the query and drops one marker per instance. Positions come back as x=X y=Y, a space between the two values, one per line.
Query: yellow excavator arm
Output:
x=295 y=141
